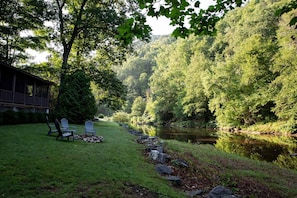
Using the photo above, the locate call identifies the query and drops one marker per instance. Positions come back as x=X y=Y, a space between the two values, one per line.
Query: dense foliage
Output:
x=77 y=101
x=16 y=19
x=244 y=75
x=239 y=74
x=21 y=117
x=85 y=35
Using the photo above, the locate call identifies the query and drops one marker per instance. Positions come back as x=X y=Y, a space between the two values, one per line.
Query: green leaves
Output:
x=287 y=8
x=17 y=19
x=202 y=21
x=125 y=31
x=197 y=4
x=293 y=21
x=244 y=49
x=283 y=87
x=133 y=28
x=77 y=102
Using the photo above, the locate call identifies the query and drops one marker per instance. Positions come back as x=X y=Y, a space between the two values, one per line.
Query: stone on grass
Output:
x=163 y=158
x=154 y=154
x=141 y=139
x=163 y=169
x=220 y=192
x=194 y=193
x=175 y=180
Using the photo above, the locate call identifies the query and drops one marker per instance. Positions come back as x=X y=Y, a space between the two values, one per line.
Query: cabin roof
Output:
x=3 y=64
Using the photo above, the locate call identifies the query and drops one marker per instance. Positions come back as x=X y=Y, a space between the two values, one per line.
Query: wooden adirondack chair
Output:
x=65 y=125
x=89 y=127
x=50 y=126
x=63 y=133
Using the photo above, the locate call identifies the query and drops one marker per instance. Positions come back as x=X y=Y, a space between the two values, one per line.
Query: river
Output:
x=281 y=150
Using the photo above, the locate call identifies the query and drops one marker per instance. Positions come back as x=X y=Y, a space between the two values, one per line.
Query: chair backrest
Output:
x=89 y=125
x=64 y=123
x=57 y=124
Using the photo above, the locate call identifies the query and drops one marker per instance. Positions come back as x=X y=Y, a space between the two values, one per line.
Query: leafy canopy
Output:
x=201 y=21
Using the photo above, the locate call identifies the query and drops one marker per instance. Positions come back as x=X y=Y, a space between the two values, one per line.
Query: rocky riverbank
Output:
x=210 y=173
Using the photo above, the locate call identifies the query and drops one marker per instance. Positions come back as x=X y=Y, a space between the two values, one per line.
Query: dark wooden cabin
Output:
x=20 y=90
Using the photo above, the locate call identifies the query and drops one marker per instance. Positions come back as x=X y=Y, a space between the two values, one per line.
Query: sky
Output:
x=161 y=25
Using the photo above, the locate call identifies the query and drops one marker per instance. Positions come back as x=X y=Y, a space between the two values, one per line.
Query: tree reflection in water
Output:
x=280 y=150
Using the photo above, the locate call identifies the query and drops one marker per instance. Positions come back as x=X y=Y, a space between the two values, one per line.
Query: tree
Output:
x=239 y=81
x=284 y=86
x=17 y=19
x=77 y=101
x=136 y=71
x=93 y=25
x=167 y=83
x=195 y=102
x=138 y=106
x=112 y=92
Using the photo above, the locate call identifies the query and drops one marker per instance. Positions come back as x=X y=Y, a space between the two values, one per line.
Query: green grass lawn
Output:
x=33 y=164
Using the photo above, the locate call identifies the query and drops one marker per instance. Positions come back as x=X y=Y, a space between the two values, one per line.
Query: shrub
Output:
x=10 y=117
x=23 y=117
x=121 y=117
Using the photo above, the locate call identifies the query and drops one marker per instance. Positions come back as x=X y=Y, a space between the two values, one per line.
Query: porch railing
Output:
x=22 y=99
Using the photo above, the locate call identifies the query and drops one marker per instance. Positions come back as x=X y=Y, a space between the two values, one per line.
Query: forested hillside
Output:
x=244 y=75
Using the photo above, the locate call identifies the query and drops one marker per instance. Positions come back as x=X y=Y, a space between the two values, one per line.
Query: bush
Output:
x=121 y=117
x=23 y=117
x=10 y=117
x=32 y=117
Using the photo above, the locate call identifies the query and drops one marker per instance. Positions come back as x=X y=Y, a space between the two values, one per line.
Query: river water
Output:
x=271 y=148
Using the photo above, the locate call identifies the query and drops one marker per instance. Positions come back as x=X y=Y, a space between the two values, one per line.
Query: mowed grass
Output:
x=33 y=164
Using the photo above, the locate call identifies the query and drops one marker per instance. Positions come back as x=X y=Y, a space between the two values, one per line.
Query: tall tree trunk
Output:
x=64 y=71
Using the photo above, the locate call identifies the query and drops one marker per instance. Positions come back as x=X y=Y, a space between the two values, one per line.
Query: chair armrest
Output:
x=72 y=128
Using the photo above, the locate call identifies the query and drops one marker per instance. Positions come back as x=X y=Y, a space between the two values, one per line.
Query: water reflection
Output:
x=244 y=145
x=201 y=136
x=276 y=149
